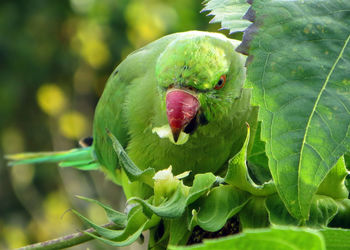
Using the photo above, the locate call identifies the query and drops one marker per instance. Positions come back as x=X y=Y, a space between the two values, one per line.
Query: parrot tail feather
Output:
x=81 y=158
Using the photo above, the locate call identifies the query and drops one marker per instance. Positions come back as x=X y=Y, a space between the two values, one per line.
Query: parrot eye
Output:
x=221 y=82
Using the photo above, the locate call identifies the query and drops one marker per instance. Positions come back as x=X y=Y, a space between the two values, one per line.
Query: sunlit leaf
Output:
x=229 y=13
x=336 y=238
x=265 y=239
x=302 y=92
x=300 y=82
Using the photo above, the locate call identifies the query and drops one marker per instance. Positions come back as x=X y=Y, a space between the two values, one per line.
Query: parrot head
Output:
x=198 y=79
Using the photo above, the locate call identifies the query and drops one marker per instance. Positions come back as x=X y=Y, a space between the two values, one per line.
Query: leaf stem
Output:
x=67 y=240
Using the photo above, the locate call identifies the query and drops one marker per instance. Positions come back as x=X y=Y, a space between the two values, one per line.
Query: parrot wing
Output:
x=112 y=110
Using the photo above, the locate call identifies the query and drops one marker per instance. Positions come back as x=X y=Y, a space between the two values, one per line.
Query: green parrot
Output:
x=177 y=101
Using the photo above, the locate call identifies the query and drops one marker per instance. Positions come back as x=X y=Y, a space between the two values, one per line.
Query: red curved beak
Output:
x=181 y=108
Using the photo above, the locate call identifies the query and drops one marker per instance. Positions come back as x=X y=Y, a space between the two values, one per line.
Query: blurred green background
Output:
x=55 y=57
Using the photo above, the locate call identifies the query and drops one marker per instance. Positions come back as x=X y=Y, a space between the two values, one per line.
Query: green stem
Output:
x=68 y=240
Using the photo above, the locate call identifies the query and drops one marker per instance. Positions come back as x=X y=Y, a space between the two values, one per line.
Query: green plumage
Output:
x=133 y=103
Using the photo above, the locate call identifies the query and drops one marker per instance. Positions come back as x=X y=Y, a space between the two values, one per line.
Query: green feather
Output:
x=81 y=158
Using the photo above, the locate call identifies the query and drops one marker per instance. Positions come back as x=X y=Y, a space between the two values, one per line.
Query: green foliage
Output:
x=229 y=13
x=301 y=88
x=237 y=174
x=131 y=170
x=221 y=204
x=269 y=239
x=136 y=223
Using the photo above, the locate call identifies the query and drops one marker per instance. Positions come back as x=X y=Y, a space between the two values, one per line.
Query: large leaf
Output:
x=266 y=239
x=300 y=80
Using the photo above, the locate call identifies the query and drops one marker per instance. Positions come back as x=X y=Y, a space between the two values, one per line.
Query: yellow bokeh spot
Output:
x=89 y=43
x=73 y=125
x=51 y=99
x=147 y=21
x=57 y=219
x=95 y=52
x=12 y=140
x=22 y=176
x=14 y=236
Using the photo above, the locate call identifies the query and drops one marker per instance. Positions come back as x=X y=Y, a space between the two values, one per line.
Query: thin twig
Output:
x=68 y=240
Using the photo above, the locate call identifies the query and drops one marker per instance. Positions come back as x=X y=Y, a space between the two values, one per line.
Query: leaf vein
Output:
x=313 y=111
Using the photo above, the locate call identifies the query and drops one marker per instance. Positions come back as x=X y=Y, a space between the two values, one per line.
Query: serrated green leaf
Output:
x=221 y=204
x=118 y=218
x=254 y=214
x=336 y=238
x=238 y=175
x=265 y=239
x=131 y=170
x=300 y=80
x=229 y=13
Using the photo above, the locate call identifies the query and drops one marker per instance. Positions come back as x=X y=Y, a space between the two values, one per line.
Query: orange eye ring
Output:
x=221 y=82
